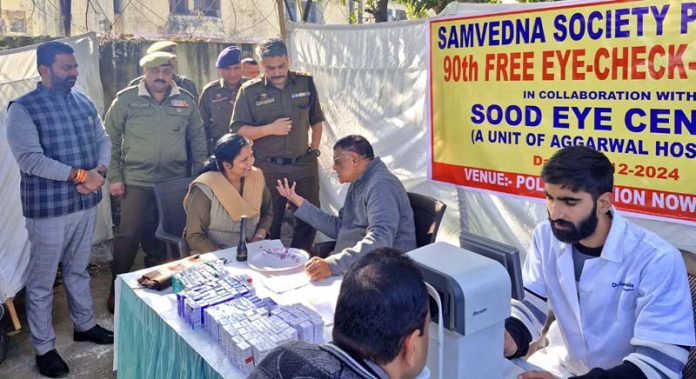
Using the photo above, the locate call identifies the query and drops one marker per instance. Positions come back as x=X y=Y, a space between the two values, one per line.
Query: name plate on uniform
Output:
x=179 y=104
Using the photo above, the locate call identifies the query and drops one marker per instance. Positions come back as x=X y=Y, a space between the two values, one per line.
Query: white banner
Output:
x=18 y=75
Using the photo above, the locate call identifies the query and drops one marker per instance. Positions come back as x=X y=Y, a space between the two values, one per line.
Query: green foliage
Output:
x=418 y=8
x=412 y=11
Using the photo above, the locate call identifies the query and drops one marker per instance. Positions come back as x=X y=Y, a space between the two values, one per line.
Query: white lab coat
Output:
x=637 y=288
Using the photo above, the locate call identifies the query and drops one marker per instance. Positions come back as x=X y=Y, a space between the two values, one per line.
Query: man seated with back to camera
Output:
x=376 y=212
x=619 y=292
x=380 y=327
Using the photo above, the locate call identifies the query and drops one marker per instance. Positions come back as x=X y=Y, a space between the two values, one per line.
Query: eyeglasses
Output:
x=337 y=160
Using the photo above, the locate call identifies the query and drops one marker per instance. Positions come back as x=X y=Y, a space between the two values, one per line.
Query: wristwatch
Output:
x=314 y=152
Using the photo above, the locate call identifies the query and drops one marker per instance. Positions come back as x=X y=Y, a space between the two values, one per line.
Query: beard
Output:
x=572 y=233
x=63 y=84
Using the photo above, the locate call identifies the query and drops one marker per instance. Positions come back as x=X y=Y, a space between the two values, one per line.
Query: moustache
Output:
x=562 y=223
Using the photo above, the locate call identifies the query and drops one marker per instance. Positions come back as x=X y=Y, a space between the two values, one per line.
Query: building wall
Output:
x=118 y=62
x=335 y=11
x=93 y=16
x=240 y=21
x=22 y=17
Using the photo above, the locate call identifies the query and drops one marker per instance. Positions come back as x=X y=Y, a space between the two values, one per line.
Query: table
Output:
x=153 y=341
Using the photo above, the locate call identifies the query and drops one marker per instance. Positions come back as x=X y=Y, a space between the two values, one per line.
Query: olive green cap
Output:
x=167 y=46
x=155 y=59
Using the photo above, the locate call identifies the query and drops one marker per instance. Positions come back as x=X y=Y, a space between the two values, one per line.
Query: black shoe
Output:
x=97 y=335
x=3 y=346
x=52 y=365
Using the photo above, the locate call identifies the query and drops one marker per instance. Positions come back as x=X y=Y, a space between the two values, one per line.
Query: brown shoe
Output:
x=110 y=302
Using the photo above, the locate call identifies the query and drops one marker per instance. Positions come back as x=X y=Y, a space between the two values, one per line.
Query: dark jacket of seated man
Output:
x=376 y=212
x=380 y=327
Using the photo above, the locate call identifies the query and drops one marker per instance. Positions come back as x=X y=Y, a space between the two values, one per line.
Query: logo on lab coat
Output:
x=625 y=286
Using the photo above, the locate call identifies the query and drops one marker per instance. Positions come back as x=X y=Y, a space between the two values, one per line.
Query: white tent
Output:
x=372 y=80
x=18 y=75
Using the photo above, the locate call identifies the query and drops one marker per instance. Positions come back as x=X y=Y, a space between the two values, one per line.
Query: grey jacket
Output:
x=299 y=359
x=376 y=213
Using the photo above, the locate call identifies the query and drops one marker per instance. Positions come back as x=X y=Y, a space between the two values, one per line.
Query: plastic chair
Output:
x=172 y=216
x=427 y=216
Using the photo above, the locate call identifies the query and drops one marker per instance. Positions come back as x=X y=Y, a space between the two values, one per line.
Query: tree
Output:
x=417 y=8
x=414 y=8
x=378 y=9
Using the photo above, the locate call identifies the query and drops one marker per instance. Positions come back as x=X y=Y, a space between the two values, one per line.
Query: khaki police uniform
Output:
x=216 y=105
x=180 y=80
x=149 y=146
x=259 y=103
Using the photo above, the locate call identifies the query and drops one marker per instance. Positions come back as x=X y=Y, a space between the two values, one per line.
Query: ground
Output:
x=85 y=359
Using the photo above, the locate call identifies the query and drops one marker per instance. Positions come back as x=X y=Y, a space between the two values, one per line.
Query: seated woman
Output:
x=228 y=187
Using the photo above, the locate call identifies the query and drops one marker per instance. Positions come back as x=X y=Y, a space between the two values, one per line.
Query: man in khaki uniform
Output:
x=180 y=80
x=149 y=125
x=250 y=68
x=217 y=100
x=277 y=110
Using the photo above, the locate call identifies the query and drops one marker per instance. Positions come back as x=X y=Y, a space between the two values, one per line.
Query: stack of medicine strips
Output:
x=244 y=326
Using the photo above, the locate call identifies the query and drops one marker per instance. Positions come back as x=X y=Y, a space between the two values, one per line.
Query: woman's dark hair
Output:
x=227 y=148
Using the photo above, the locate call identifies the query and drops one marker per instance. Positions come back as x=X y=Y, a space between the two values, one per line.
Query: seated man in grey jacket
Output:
x=376 y=212
x=380 y=327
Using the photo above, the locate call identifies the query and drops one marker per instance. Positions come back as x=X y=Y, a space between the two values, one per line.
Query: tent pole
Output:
x=13 y=314
x=280 y=4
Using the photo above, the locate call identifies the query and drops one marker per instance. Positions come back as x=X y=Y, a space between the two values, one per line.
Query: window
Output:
x=178 y=6
x=396 y=14
x=118 y=6
x=314 y=16
x=207 y=7
x=313 y=12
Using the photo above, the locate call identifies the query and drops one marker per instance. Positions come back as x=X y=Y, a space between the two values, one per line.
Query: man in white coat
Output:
x=619 y=292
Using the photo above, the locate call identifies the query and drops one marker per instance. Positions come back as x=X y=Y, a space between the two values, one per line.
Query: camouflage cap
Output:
x=167 y=46
x=155 y=59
